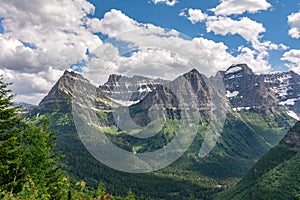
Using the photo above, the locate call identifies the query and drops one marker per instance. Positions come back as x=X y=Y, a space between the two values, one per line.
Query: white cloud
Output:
x=251 y=31
x=206 y=55
x=293 y=59
x=31 y=87
x=167 y=2
x=247 y=28
x=42 y=38
x=229 y=7
x=294 y=21
x=194 y=15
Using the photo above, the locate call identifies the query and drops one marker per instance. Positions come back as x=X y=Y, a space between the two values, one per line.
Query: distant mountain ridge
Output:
x=244 y=89
x=247 y=90
x=253 y=125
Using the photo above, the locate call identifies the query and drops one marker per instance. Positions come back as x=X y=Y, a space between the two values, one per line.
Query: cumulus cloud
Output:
x=167 y=2
x=294 y=21
x=205 y=55
x=229 y=7
x=248 y=29
x=42 y=38
x=194 y=15
x=31 y=87
x=293 y=58
x=245 y=27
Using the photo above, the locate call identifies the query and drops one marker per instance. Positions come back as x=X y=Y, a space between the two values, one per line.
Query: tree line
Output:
x=29 y=168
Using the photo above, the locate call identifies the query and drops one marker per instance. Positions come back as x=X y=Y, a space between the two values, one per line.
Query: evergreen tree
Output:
x=28 y=165
x=191 y=196
x=10 y=137
x=130 y=195
x=101 y=191
x=38 y=160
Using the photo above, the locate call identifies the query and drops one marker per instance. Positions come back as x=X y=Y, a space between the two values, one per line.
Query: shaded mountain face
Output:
x=246 y=90
x=129 y=90
x=292 y=138
x=275 y=176
x=60 y=96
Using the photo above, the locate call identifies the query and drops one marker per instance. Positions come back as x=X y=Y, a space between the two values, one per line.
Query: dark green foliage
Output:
x=10 y=140
x=38 y=161
x=101 y=191
x=275 y=176
x=28 y=168
x=130 y=195
x=239 y=147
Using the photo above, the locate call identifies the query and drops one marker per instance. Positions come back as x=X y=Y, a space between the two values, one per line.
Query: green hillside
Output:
x=245 y=138
x=275 y=176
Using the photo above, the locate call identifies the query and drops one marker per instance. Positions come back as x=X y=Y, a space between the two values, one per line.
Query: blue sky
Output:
x=274 y=19
x=157 y=38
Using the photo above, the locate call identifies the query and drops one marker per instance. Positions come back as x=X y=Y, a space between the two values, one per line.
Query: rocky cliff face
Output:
x=129 y=90
x=286 y=86
x=61 y=93
x=246 y=90
x=292 y=138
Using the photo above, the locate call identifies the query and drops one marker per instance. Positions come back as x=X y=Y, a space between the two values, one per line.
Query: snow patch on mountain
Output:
x=233 y=70
x=231 y=94
x=293 y=115
x=288 y=102
x=241 y=108
x=124 y=103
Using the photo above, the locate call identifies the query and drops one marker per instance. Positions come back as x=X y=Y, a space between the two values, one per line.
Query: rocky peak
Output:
x=193 y=71
x=292 y=138
x=129 y=90
x=241 y=69
x=197 y=81
x=61 y=93
x=113 y=79
x=246 y=90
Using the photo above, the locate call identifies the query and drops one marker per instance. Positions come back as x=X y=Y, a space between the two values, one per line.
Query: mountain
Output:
x=247 y=90
x=25 y=108
x=286 y=86
x=275 y=176
x=129 y=90
x=252 y=127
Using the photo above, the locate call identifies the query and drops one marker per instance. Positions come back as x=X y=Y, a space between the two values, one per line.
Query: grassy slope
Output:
x=275 y=176
x=240 y=146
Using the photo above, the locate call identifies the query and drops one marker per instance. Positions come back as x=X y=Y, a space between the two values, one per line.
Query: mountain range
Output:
x=259 y=111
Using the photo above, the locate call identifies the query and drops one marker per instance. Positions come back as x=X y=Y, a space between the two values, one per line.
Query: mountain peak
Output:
x=73 y=75
x=113 y=78
x=194 y=71
x=239 y=68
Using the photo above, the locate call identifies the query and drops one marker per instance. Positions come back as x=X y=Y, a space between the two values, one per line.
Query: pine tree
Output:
x=130 y=195
x=26 y=155
x=10 y=137
x=101 y=191
x=38 y=160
